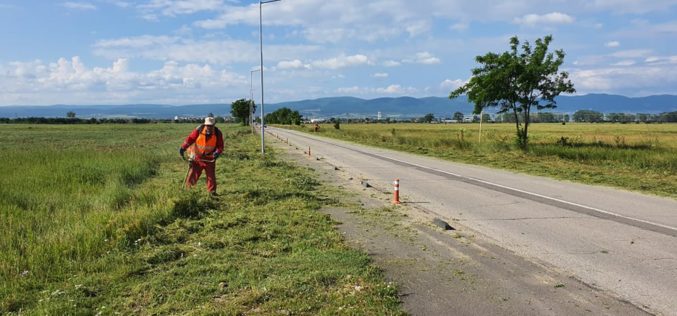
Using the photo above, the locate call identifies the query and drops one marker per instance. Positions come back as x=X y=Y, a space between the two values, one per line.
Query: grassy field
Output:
x=93 y=219
x=640 y=157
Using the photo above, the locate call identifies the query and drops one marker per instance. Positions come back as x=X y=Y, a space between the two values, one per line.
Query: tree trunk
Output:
x=521 y=133
x=524 y=143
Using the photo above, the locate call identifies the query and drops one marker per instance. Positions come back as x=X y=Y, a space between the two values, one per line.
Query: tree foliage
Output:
x=517 y=80
x=284 y=116
x=240 y=110
x=70 y=114
x=588 y=116
x=458 y=116
x=428 y=118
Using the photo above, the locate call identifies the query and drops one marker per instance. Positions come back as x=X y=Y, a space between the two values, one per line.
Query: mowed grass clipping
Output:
x=639 y=157
x=94 y=219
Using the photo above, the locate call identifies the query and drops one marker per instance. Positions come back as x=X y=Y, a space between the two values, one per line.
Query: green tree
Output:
x=588 y=116
x=284 y=116
x=428 y=118
x=240 y=110
x=70 y=114
x=668 y=117
x=643 y=117
x=517 y=80
x=544 y=117
x=458 y=116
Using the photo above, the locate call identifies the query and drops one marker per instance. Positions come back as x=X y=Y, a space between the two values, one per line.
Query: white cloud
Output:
x=627 y=62
x=391 y=63
x=460 y=26
x=323 y=21
x=221 y=52
x=332 y=21
x=341 y=62
x=119 y=3
x=78 y=5
x=396 y=89
x=292 y=64
x=629 y=6
x=380 y=75
x=545 y=19
x=418 y=27
x=612 y=44
x=652 y=59
x=666 y=28
x=393 y=89
x=179 y=7
x=656 y=60
x=70 y=80
x=448 y=84
x=631 y=79
x=424 y=58
x=350 y=90
x=136 y=42
x=632 y=53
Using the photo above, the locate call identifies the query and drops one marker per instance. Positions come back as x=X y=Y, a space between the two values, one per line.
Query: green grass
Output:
x=93 y=219
x=640 y=157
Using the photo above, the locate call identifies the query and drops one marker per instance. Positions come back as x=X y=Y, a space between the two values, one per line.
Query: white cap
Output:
x=209 y=121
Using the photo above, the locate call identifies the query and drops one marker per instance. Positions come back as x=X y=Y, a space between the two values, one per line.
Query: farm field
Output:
x=94 y=219
x=638 y=157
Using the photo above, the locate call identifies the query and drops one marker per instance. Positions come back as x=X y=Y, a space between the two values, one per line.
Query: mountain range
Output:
x=400 y=107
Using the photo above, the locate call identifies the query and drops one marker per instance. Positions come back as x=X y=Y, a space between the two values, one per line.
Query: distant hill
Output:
x=401 y=107
x=389 y=107
x=443 y=107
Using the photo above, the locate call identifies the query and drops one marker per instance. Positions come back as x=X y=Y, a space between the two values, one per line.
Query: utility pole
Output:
x=263 y=122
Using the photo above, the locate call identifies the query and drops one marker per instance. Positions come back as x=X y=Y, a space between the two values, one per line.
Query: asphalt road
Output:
x=622 y=242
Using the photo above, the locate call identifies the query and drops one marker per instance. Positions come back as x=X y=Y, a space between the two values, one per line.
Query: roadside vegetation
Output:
x=94 y=219
x=639 y=157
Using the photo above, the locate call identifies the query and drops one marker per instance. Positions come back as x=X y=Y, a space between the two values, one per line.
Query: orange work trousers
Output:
x=196 y=168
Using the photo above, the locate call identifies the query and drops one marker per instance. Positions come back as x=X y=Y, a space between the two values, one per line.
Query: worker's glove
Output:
x=217 y=155
x=182 y=153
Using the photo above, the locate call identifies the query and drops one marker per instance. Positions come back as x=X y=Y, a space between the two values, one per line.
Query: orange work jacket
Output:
x=204 y=146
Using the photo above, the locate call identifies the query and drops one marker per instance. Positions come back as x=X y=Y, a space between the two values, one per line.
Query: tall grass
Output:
x=66 y=194
x=640 y=157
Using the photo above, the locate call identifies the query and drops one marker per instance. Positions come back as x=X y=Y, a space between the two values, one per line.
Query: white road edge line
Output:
x=523 y=191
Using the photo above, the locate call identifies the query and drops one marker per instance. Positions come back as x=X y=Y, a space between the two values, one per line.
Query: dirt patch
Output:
x=449 y=272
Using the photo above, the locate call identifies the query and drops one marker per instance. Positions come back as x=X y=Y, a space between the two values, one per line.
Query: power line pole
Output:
x=263 y=122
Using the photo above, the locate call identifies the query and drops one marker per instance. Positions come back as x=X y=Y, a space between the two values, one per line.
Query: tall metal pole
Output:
x=263 y=131
x=263 y=122
x=251 y=96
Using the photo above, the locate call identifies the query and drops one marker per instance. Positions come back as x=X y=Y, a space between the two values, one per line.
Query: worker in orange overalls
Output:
x=205 y=145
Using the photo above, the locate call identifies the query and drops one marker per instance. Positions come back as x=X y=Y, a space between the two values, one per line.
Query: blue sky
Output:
x=202 y=51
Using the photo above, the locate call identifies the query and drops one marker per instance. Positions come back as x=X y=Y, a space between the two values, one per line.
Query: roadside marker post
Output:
x=309 y=151
x=396 y=192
